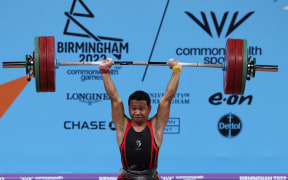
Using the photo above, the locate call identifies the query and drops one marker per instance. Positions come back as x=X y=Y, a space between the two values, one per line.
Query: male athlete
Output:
x=139 y=138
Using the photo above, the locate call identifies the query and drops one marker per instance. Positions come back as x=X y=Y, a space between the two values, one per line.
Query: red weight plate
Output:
x=238 y=66
x=43 y=64
x=51 y=63
x=228 y=73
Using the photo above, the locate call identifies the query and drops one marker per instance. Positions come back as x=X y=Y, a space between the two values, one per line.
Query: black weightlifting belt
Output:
x=149 y=174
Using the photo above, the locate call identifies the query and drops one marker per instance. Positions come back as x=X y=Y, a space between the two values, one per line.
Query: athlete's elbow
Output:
x=115 y=100
x=165 y=102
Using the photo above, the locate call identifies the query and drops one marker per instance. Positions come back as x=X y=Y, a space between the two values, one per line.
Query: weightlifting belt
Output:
x=140 y=175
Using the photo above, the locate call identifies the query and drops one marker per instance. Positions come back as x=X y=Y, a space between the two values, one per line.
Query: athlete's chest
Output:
x=138 y=141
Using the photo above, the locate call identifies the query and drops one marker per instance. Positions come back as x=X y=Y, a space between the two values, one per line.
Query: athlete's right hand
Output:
x=105 y=65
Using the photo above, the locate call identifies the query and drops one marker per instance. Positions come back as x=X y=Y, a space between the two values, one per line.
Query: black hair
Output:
x=139 y=95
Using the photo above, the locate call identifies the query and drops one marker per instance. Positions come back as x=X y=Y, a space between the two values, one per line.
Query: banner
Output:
x=70 y=131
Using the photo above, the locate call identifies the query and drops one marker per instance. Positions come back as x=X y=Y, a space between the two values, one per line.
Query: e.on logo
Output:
x=218 y=99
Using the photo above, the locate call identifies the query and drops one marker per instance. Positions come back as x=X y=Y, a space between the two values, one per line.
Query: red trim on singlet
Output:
x=129 y=124
x=154 y=145
x=156 y=156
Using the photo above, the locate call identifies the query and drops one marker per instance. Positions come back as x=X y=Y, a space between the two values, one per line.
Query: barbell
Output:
x=236 y=67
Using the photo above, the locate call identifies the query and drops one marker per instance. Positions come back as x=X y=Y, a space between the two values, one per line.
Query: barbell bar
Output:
x=236 y=67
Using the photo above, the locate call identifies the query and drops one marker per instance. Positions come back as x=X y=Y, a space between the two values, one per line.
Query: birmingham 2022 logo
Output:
x=89 y=47
x=102 y=46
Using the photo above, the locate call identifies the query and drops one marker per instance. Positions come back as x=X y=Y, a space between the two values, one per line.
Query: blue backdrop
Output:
x=63 y=132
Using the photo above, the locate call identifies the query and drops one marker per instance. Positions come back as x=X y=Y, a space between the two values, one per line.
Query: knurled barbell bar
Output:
x=237 y=67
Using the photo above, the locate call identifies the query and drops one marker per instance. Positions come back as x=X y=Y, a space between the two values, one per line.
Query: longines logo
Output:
x=89 y=98
x=219 y=27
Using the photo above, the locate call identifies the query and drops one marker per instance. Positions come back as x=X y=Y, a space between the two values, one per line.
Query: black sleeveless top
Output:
x=139 y=150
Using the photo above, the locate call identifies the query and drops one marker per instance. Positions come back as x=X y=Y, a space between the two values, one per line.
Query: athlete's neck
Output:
x=138 y=127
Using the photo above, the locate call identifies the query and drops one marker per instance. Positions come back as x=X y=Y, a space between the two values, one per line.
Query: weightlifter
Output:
x=139 y=138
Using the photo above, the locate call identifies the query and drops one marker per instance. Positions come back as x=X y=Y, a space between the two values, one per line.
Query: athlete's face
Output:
x=139 y=111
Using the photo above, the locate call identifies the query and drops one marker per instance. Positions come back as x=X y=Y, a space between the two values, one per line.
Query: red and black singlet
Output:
x=139 y=150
